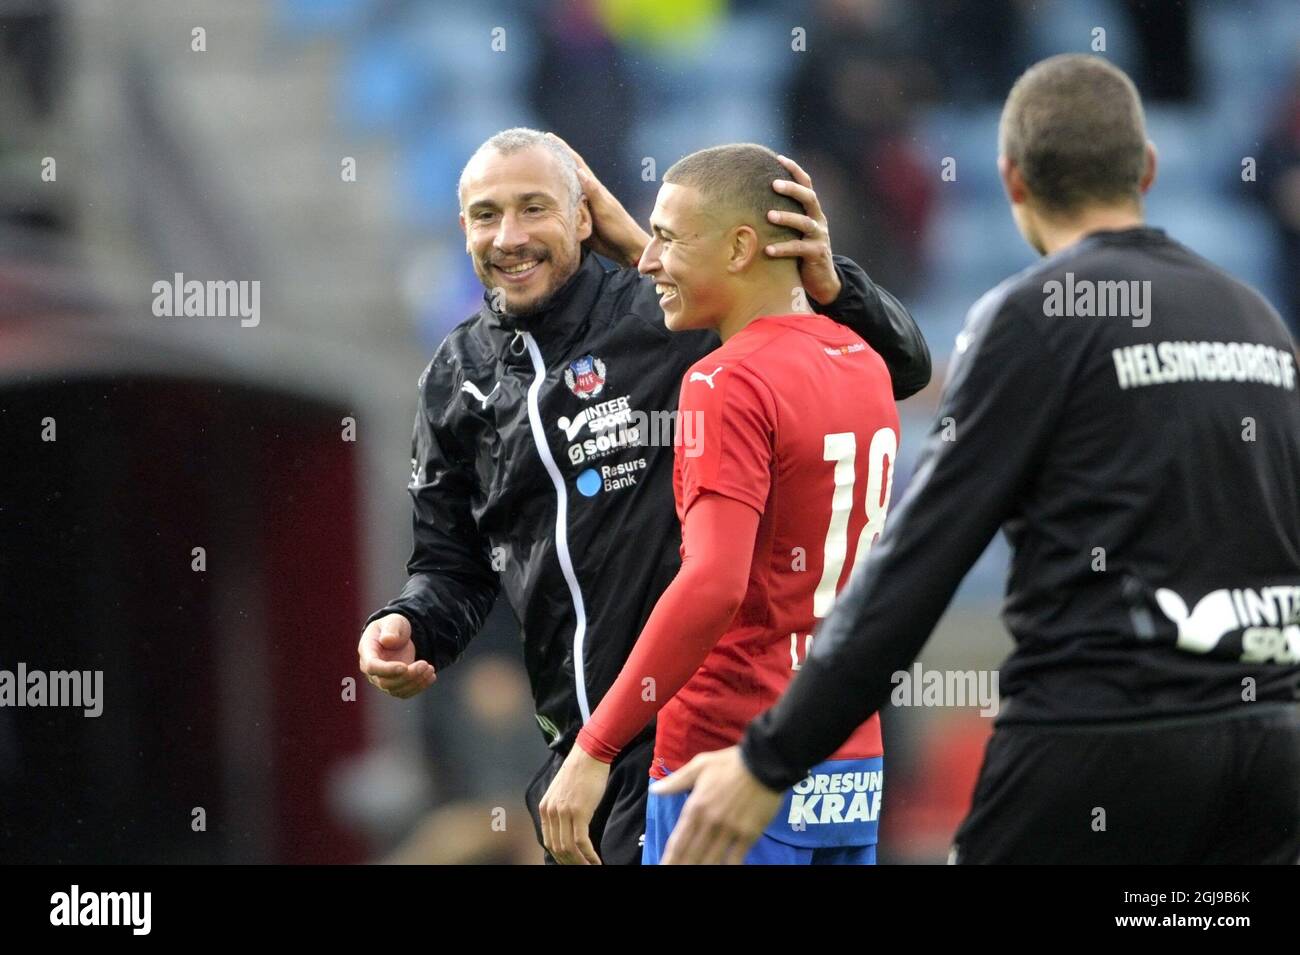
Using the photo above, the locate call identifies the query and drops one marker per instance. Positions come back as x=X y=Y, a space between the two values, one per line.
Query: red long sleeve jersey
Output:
x=794 y=416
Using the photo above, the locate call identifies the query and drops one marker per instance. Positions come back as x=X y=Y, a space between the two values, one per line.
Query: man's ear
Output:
x=464 y=230
x=745 y=247
x=584 y=219
x=1149 y=173
x=1013 y=183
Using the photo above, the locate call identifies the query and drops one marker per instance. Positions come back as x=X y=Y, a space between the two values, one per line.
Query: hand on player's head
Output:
x=387 y=657
x=816 y=265
x=615 y=234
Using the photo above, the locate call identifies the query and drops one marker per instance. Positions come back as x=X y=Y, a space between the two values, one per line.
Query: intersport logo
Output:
x=1268 y=618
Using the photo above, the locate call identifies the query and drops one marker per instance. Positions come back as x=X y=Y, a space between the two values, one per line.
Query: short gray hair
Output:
x=513 y=140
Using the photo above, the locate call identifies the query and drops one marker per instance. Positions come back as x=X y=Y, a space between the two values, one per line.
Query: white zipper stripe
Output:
x=561 y=524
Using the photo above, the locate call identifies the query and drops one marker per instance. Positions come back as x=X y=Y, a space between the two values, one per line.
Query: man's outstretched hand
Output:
x=387 y=657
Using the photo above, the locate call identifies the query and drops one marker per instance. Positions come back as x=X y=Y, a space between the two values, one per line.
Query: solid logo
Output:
x=585 y=376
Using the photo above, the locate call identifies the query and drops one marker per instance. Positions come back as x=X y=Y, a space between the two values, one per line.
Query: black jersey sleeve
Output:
x=452 y=586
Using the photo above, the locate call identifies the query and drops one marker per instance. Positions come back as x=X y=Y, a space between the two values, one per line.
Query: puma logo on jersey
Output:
x=472 y=389
x=700 y=376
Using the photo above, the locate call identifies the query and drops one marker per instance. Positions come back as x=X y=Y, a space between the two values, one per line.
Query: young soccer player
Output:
x=797 y=432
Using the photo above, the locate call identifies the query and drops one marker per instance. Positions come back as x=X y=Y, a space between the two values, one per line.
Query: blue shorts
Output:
x=829 y=818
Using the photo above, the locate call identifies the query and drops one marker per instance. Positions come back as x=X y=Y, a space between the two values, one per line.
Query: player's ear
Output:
x=584 y=219
x=1013 y=183
x=1148 y=173
x=745 y=247
x=464 y=229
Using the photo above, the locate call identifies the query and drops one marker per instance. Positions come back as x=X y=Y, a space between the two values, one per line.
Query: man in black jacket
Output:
x=1129 y=415
x=543 y=444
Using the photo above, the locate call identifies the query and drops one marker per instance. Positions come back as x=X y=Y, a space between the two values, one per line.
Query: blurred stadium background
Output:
x=225 y=688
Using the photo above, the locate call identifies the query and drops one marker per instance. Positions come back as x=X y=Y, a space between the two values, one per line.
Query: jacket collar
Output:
x=565 y=316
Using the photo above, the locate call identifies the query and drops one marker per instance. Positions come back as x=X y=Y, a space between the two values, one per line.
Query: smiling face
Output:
x=522 y=230
x=688 y=257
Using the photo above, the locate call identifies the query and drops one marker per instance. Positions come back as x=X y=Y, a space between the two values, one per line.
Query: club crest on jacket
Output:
x=585 y=376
